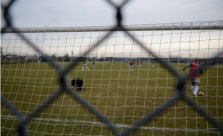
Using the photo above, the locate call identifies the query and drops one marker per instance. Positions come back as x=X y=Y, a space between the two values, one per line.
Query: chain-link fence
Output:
x=180 y=93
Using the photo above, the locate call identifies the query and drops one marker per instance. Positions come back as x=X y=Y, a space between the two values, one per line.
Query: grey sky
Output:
x=74 y=13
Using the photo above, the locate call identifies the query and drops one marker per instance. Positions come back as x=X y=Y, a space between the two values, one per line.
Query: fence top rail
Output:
x=213 y=25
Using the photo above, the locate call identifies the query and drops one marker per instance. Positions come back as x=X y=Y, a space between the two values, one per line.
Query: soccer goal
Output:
x=130 y=80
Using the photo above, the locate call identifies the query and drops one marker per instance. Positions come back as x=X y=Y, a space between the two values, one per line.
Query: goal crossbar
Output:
x=159 y=27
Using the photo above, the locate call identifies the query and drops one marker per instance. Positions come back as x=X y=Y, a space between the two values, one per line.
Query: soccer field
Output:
x=123 y=96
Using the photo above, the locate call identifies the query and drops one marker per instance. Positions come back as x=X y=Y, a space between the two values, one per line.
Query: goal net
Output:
x=129 y=80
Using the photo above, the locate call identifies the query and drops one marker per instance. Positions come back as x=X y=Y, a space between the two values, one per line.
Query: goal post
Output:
x=123 y=83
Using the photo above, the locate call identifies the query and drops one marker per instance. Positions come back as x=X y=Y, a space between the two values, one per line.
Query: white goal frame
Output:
x=136 y=45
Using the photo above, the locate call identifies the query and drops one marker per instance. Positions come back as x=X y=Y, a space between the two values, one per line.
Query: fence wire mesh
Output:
x=63 y=72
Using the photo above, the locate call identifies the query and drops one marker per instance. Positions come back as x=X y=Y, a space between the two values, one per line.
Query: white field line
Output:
x=211 y=130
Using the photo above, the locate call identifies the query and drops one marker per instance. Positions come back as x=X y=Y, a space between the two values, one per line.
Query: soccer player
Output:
x=195 y=72
x=153 y=63
x=84 y=64
x=130 y=65
x=140 y=62
x=93 y=62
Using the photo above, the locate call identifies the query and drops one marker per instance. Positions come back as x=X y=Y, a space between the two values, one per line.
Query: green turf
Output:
x=123 y=96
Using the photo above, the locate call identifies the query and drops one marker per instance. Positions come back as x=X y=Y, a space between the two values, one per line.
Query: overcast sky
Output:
x=74 y=13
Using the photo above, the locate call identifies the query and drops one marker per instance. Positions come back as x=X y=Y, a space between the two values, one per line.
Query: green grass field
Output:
x=123 y=96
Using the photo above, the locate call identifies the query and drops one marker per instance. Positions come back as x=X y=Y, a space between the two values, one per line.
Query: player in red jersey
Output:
x=195 y=71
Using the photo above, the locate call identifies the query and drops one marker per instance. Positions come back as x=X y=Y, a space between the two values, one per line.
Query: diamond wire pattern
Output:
x=179 y=89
